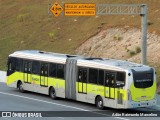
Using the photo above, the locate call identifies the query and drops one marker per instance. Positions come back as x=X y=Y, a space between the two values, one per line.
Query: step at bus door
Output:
x=44 y=74
x=82 y=80
x=27 y=71
x=110 y=85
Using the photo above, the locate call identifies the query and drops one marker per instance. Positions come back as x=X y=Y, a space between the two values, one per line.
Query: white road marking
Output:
x=59 y=105
x=60 y=117
x=43 y=101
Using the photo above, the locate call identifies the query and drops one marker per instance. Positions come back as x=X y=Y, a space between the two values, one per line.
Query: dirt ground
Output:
x=122 y=43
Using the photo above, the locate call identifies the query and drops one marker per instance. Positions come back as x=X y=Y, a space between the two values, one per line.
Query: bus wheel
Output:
x=20 y=87
x=99 y=103
x=52 y=93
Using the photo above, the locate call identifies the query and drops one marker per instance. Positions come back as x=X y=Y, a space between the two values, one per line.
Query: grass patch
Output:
x=51 y=34
x=22 y=17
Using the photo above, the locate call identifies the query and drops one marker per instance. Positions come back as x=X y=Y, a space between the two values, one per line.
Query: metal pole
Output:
x=144 y=34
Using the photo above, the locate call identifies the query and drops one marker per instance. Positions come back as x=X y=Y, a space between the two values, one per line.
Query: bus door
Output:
x=44 y=74
x=27 y=72
x=110 y=78
x=82 y=80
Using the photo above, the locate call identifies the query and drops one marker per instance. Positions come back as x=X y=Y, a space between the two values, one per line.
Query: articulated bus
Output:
x=100 y=81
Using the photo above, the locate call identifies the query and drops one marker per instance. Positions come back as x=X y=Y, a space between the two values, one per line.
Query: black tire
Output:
x=20 y=87
x=99 y=103
x=52 y=93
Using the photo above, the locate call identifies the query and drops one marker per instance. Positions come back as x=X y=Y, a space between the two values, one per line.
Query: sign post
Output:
x=119 y=9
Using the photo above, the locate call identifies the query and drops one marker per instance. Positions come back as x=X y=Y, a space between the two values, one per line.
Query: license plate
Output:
x=144 y=104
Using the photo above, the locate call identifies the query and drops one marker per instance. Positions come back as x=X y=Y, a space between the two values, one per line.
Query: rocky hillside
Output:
x=122 y=43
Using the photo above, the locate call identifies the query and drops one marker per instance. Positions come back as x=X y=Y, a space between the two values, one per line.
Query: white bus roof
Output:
x=101 y=63
x=40 y=55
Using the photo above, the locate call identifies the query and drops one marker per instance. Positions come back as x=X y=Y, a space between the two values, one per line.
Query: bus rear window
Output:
x=143 y=79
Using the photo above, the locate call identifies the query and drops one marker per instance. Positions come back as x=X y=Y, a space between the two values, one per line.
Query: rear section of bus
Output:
x=142 y=88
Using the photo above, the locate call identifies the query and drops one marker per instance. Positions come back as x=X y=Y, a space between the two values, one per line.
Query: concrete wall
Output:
x=2 y=76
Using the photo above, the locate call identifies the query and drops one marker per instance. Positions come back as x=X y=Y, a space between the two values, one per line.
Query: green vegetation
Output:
x=149 y=23
x=22 y=17
x=51 y=35
x=117 y=37
x=158 y=74
x=132 y=53
x=138 y=49
x=29 y=21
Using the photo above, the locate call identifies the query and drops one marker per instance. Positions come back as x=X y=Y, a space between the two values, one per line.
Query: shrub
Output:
x=132 y=53
x=117 y=37
x=138 y=49
x=149 y=23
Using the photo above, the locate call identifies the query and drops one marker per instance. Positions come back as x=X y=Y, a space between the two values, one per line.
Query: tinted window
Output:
x=121 y=77
x=52 y=70
x=82 y=75
x=109 y=79
x=12 y=64
x=85 y=75
x=101 y=77
x=60 y=71
x=35 y=67
x=27 y=66
x=44 y=69
x=143 y=79
x=93 y=75
x=19 y=64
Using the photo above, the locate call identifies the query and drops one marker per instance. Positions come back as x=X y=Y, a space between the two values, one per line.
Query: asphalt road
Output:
x=12 y=100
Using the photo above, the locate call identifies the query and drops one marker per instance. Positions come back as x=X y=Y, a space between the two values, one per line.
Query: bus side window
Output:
x=11 y=64
x=93 y=75
x=44 y=69
x=80 y=75
x=107 y=79
x=101 y=77
x=29 y=67
x=60 y=71
x=36 y=67
x=110 y=79
x=120 y=78
x=52 y=70
x=85 y=75
x=19 y=64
